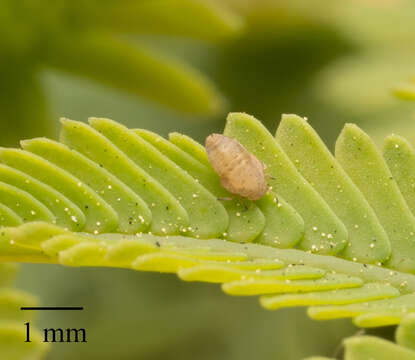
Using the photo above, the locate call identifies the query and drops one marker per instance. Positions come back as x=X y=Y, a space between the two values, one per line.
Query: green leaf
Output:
x=12 y=346
x=197 y=201
x=196 y=19
x=27 y=207
x=122 y=199
x=321 y=237
x=139 y=71
x=367 y=292
x=8 y=217
x=400 y=158
x=314 y=161
x=324 y=232
x=167 y=215
x=405 y=334
x=99 y=215
x=64 y=210
x=244 y=226
x=370 y=347
x=364 y=164
x=285 y=230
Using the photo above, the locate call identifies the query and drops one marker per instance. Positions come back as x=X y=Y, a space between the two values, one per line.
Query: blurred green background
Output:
x=181 y=65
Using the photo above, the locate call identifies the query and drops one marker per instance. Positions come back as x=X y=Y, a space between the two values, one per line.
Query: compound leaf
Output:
x=332 y=233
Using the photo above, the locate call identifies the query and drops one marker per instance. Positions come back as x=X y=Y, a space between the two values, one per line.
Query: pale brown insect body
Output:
x=241 y=173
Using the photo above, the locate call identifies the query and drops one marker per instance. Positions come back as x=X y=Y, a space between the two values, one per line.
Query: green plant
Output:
x=98 y=40
x=363 y=347
x=12 y=332
x=334 y=233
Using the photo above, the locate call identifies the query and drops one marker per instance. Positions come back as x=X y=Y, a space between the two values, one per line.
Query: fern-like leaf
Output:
x=336 y=233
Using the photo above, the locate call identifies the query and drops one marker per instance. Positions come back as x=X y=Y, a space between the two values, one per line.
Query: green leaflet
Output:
x=100 y=217
x=379 y=312
x=67 y=214
x=128 y=205
x=370 y=347
x=31 y=235
x=10 y=301
x=190 y=146
x=8 y=217
x=405 y=333
x=198 y=202
x=258 y=287
x=169 y=192
x=168 y=216
x=217 y=273
x=324 y=232
x=400 y=158
x=10 y=251
x=12 y=331
x=368 y=292
x=23 y=204
x=283 y=227
x=25 y=241
x=362 y=161
x=379 y=318
x=368 y=241
x=11 y=335
x=245 y=222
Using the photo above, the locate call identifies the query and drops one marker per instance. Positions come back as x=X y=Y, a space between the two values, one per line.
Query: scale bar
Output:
x=57 y=308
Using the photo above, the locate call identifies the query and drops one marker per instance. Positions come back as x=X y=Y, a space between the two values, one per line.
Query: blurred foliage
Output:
x=267 y=67
x=12 y=333
x=336 y=61
x=406 y=91
x=359 y=88
x=84 y=37
x=359 y=50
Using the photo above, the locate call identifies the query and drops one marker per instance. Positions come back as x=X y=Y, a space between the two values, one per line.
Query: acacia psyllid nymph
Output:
x=240 y=172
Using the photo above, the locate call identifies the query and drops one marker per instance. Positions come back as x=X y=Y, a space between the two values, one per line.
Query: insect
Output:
x=240 y=172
